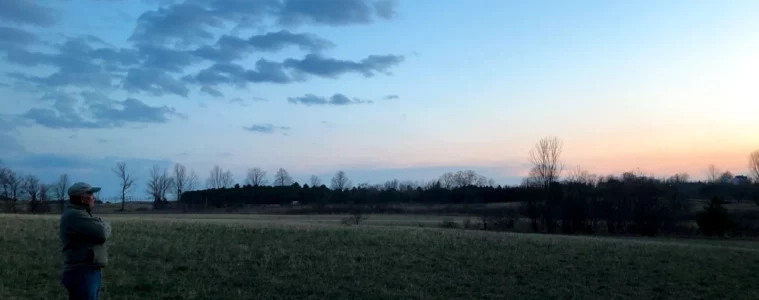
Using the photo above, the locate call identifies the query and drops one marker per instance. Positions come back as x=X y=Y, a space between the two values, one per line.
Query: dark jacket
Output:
x=83 y=238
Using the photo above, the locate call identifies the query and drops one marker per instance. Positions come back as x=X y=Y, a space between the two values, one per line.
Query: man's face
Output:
x=88 y=199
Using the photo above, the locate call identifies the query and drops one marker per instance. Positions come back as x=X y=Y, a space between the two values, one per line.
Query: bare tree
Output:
x=282 y=178
x=392 y=184
x=181 y=180
x=220 y=178
x=256 y=177
x=458 y=179
x=59 y=188
x=678 y=178
x=340 y=181
x=159 y=183
x=712 y=174
x=14 y=187
x=31 y=186
x=582 y=176
x=4 y=182
x=126 y=180
x=314 y=181
x=465 y=178
x=192 y=181
x=447 y=180
x=483 y=181
x=545 y=158
x=546 y=169
x=753 y=165
x=154 y=183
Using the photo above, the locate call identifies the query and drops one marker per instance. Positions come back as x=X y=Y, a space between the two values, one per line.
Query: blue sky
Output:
x=381 y=89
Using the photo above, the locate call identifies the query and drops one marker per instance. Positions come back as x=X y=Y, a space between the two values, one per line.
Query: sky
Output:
x=381 y=89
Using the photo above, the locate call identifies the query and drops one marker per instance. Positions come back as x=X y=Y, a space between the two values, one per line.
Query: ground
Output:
x=389 y=257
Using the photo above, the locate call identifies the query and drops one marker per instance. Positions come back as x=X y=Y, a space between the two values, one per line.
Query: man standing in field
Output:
x=83 y=239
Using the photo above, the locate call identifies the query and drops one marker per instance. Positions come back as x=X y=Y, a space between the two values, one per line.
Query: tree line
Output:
x=551 y=198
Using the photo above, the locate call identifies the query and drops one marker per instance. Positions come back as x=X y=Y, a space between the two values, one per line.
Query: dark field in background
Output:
x=234 y=257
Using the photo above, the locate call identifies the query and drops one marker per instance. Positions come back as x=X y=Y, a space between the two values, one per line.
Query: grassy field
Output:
x=311 y=257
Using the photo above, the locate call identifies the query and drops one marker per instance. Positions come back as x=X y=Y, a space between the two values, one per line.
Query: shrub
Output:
x=714 y=220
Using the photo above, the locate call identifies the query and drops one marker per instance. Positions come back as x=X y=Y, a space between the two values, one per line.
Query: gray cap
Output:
x=81 y=188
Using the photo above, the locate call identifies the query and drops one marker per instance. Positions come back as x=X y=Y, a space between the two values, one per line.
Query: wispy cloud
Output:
x=336 y=99
x=92 y=110
x=267 y=128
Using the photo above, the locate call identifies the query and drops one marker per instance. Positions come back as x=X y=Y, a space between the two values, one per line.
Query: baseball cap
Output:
x=81 y=188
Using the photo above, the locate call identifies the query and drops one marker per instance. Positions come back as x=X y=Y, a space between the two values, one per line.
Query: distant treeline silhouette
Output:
x=630 y=203
x=551 y=199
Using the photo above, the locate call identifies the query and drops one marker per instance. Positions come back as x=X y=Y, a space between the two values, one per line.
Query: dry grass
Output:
x=158 y=257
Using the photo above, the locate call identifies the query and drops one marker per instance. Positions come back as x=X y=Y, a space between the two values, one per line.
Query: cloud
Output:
x=386 y=8
x=51 y=161
x=242 y=102
x=131 y=110
x=87 y=78
x=315 y=64
x=273 y=72
x=231 y=73
x=267 y=128
x=391 y=97
x=78 y=64
x=9 y=145
x=230 y=48
x=276 y=41
x=96 y=111
x=26 y=12
x=191 y=22
x=7 y=122
x=336 y=99
x=334 y=12
x=154 y=82
x=10 y=36
x=213 y=92
x=194 y=22
x=165 y=59
x=50 y=118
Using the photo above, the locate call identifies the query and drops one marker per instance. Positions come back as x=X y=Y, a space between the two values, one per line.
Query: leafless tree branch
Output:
x=126 y=180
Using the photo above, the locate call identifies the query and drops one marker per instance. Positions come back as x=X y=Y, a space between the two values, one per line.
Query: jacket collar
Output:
x=78 y=206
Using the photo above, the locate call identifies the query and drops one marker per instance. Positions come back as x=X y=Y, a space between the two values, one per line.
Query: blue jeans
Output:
x=82 y=284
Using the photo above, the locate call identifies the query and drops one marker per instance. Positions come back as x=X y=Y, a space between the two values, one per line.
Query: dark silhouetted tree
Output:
x=256 y=177
x=314 y=181
x=340 y=181
x=219 y=178
x=60 y=189
x=282 y=178
x=714 y=220
x=126 y=180
x=158 y=185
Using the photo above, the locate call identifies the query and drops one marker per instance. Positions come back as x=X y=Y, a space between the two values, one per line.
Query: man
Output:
x=83 y=239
